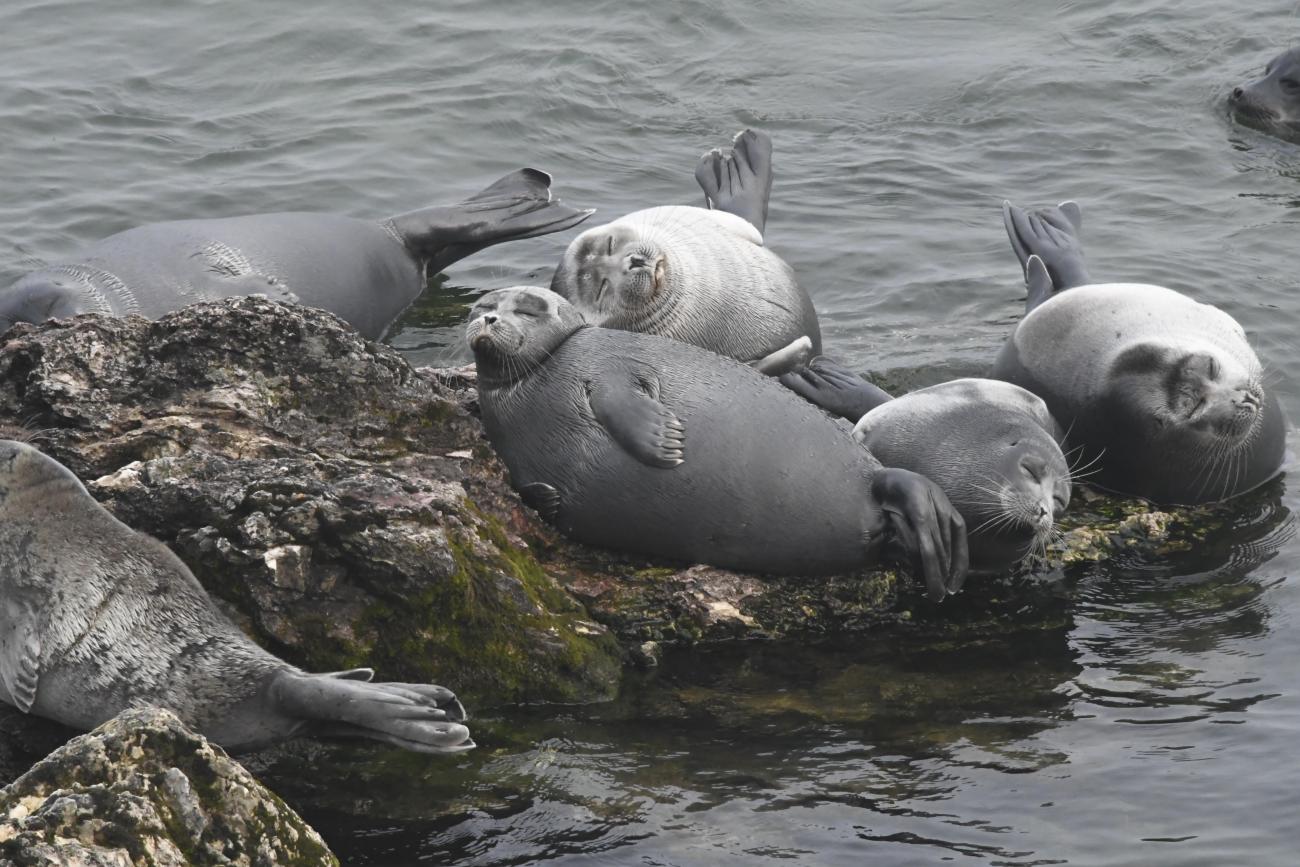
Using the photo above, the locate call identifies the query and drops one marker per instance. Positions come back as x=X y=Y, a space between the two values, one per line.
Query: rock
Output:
x=144 y=790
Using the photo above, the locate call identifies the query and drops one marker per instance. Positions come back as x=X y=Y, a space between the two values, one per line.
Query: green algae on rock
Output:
x=144 y=790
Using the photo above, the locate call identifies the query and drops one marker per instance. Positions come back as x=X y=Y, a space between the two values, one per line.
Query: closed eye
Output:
x=609 y=251
x=1289 y=83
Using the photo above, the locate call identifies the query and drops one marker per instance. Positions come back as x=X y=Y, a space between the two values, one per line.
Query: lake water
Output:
x=1153 y=722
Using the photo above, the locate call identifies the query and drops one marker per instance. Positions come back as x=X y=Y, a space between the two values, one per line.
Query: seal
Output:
x=991 y=446
x=1271 y=103
x=1164 y=393
x=365 y=272
x=96 y=618
x=639 y=443
x=699 y=275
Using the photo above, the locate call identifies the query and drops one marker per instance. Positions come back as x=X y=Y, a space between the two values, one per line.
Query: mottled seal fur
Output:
x=1271 y=103
x=991 y=446
x=96 y=618
x=1164 y=393
x=640 y=443
x=365 y=272
x=699 y=275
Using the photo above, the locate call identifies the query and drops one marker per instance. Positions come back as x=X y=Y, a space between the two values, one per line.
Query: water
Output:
x=1152 y=721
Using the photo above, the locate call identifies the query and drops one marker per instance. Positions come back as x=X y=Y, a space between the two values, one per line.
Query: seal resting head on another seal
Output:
x=1164 y=393
x=96 y=618
x=991 y=446
x=699 y=275
x=640 y=443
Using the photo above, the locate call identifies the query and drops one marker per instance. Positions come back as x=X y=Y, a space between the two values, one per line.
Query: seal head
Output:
x=1271 y=103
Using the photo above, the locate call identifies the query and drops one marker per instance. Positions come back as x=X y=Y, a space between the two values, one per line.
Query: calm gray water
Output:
x=1156 y=724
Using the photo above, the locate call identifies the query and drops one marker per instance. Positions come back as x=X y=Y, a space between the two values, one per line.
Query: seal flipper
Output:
x=637 y=421
x=835 y=388
x=20 y=663
x=517 y=206
x=420 y=717
x=929 y=531
x=740 y=180
x=1038 y=282
x=786 y=359
x=543 y=498
x=1051 y=234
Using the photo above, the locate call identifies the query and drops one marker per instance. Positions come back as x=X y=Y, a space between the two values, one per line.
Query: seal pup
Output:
x=1271 y=103
x=699 y=275
x=364 y=272
x=991 y=446
x=1163 y=392
x=96 y=618
x=640 y=443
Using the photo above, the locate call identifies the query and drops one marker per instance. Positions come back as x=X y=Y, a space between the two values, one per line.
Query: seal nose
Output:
x=489 y=318
x=1237 y=93
x=637 y=262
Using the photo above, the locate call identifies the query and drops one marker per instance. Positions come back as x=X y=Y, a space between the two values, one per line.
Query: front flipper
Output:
x=835 y=389
x=1051 y=234
x=929 y=531
x=628 y=407
x=786 y=359
x=544 y=499
x=415 y=716
x=20 y=662
x=740 y=180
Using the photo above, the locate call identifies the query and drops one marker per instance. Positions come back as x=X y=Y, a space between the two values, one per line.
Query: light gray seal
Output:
x=991 y=446
x=699 y=275
x=1271 y=103
x=365 y=272
x=96 y=618
x=1164 y=393
x=640 y=443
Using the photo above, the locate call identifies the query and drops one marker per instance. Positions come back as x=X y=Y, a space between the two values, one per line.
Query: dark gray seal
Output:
x=96 y=618
x=640 y=443
x=1271 y=103
x=991 y=446
x=365 y=272
x=699 y=275
x=1164 y=393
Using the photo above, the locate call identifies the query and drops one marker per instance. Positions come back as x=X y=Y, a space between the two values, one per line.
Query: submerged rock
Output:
x=144 y=790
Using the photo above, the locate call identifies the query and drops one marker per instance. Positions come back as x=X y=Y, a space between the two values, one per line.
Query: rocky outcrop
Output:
x=144 y=790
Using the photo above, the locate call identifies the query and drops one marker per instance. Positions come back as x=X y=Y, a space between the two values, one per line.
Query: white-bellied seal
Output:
x=1163 y=392
x=365 y=272
x=1271 y=103
x=699 y=275
x=991 y=446
x=640 y=443
x=96 y=618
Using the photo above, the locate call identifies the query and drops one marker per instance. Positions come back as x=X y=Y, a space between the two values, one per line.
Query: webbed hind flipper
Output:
x=835 y=388
x=786 y=359
x=627 y=406
x=1051 y=234
x=519 y=205
x=739 y=181
x=415 y=716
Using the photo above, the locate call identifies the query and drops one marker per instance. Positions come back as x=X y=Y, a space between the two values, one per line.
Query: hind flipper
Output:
x=835 y=389
x=786 y=359
x=1051 y=234
x=517 y=206
x=739 y=181
x=420 y=717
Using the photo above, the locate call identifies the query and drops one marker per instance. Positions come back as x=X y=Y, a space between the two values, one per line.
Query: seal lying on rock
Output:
x=991 y=446
x=96 y=618
x=1271 y=103
x=699 y=275
x=364 y=272
x=1163 y=392
x=641 y=443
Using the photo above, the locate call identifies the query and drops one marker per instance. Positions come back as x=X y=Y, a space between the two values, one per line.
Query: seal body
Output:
x=644 y=444
x=366 y=273
x=96 y=618
x=1164 y=392
x=696 y=275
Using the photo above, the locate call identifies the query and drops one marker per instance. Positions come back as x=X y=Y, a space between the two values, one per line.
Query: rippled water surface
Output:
x=1148 y=712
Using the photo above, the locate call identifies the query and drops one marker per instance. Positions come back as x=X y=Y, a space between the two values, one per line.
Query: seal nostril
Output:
x=1238 y=93
x=489 y=318
x=637 y=262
